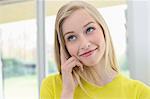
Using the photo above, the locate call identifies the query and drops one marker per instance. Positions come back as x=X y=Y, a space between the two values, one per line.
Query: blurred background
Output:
x=27 y=41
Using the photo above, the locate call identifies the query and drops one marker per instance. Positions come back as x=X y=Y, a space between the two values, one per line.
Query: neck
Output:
x=101 y=74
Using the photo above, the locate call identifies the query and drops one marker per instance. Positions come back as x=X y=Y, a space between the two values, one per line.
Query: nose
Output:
x=85 y=43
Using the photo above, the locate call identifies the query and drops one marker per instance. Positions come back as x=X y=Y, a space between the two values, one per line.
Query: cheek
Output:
x=98 y=38
x=102 y=44
x=72 y=49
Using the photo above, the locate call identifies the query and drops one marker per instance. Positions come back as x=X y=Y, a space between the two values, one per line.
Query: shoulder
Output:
x=50 y=80
x=132 y=82
x=51 y=77
x=141 y=89
x=49 y=85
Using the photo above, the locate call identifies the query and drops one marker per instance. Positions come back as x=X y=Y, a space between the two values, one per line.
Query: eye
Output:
x=90 y=29
x=71 y=38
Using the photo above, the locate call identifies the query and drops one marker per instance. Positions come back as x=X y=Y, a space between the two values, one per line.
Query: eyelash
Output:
x=89 y=29
x=68 y=38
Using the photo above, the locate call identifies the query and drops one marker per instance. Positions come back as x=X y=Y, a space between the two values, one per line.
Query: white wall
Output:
x=138 y=30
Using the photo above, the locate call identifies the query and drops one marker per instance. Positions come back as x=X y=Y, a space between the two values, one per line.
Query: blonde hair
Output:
x=64 y=12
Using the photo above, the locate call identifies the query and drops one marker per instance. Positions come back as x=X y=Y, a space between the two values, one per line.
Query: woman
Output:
x=86 y=59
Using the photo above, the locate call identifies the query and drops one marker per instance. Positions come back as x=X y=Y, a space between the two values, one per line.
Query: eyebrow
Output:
x=83 y=27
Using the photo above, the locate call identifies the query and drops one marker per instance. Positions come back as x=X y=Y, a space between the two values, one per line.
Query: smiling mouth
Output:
x=89 y=53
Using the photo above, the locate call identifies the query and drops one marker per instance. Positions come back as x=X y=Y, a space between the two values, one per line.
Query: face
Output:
x=84 y=38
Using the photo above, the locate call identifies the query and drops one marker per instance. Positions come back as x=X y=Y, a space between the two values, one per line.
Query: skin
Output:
x=82 y=33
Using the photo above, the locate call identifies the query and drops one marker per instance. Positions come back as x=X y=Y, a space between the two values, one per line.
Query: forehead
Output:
x=76 y=20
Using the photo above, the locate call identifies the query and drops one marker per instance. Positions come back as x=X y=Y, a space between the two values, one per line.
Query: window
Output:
x=115 y=18
x=18 y=48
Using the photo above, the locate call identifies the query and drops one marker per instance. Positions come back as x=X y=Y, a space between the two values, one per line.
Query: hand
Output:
x=69 y=80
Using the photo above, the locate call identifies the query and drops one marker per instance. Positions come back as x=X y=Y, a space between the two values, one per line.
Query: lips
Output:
x=87 y=53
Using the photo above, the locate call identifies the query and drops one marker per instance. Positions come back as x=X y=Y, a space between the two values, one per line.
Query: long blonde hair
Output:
x=64 y=12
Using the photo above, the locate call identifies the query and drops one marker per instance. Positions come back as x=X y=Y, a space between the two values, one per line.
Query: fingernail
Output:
x=82 y=69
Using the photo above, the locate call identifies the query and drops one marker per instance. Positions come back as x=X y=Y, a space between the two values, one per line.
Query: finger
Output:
x=79 y=64
x=68 y=62
x=69 y=66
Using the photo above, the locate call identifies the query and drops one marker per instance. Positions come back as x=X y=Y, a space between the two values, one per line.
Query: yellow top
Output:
x=121 y=87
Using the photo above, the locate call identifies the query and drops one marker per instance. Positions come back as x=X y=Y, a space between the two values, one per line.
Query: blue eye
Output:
x=71 y=38
x=90 y=29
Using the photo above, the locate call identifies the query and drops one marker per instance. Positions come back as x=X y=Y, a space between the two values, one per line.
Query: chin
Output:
x=89 y=64
x=92 y=62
